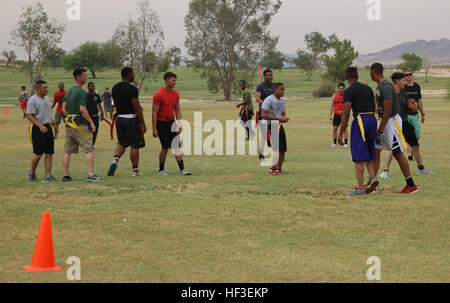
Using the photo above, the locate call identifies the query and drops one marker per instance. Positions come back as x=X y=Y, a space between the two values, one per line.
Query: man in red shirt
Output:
x=166 y=105
x=337 y=105
x=58 y=99
x=23 y=99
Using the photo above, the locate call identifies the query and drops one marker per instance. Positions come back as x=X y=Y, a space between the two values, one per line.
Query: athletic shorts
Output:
x=414 y=121
x=108 y=107
x=23 y=105
x=166 y=135
x=275 y=136
x=128 y=133
x=392 y=140
x=76 y=138
x=96 y=121
x=337 y=120
x=59 y=117
x=363 y=150
x=410 y=135
x=43 y=143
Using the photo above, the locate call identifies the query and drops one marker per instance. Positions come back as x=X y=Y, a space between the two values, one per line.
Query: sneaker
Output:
x=163 y=173
x=49 y=179
x=31 y=177
x=112 y=169
x=185 y=173
x=93 y=178
x=411 y=158
x=409 y=190
x=274 y=172
x=358 y=192
x=137 y=175
x=385 y=174
x=333 y=145
x=345 y=145
x=282 y=172
x=424 y=172
x=374 y=192
x=372 y=185
x=67 y=179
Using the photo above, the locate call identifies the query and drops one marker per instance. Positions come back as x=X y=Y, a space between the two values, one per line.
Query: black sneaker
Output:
x=93 y=178
x=411 y=158
x=31 y=177
x=49 y=179
x=261 y=157
x=67 y=179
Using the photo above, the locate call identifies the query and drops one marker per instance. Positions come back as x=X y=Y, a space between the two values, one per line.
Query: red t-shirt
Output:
x=166 y=102
x=338 y=104
x=59 y=98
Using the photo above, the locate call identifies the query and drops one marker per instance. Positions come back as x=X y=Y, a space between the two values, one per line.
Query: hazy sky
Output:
x=401 y=21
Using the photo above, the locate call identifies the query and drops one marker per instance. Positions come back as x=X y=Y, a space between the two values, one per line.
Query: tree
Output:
x=90 y=55
x=273 y=60
x=37 y=35
x=174 y=55
x=141 y=42
x=10 y=57
x=344 y=55
x=54 y=57
x=411 y=61
x=426 y=65
x=225 y=39
x=316 y=45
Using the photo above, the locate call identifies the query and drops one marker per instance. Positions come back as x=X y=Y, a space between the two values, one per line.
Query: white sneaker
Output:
x=163 y=173
x=384 y=174
x=185 y=173
x=137 y=175
x=424 y=172
x=333 y=145
x=345 y=145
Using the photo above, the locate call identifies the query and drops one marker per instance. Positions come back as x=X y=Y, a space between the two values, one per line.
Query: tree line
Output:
x=226 y=40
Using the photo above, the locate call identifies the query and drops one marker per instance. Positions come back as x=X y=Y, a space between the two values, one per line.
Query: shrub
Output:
x=326 y=89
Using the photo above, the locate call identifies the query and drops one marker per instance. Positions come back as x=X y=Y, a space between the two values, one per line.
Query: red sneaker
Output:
x=273 y=172
x=409 y=190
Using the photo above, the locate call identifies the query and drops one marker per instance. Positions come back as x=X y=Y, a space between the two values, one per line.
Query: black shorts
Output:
x=166 y=135
x=96 y=121
x=245 y=117
x=271 y=137
x=337 y=120
x=128 y=133
x=410 y=134
x=42 y=143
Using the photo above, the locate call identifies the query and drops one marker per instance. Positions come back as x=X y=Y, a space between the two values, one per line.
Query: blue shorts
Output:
x=364 y=151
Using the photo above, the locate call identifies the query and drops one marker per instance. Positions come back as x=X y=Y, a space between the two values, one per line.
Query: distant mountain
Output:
x=439 y=51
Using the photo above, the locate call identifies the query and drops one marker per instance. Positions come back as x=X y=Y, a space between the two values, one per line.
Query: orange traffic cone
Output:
x=6 y=111
x=43 y=257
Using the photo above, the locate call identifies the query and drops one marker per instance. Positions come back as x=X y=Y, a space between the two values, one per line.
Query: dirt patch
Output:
x=435 y=92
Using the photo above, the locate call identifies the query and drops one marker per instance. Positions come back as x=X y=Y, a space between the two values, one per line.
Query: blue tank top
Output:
x=107 y=96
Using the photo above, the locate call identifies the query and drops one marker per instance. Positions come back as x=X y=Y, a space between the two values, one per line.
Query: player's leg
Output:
x=335 y=135
x=389 y=157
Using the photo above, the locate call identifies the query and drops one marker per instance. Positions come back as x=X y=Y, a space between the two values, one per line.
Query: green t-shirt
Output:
x=75 y=98
x=246 y=94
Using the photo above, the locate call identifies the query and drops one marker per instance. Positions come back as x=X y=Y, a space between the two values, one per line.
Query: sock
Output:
x=410 y=182
x=346 y=141
x=116 y=159
x=161 y=166
x=421 y=167
x=136 y=169
x=335 y=141
x=181 y=165
x=386 y=170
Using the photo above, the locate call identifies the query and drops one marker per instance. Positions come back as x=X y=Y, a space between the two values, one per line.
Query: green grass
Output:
x=231 y=221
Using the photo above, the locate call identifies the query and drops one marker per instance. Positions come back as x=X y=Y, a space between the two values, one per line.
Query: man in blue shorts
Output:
x=360 y=98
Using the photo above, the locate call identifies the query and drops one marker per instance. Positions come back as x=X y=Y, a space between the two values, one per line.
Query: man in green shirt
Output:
x=246 y=112
x=78 y=122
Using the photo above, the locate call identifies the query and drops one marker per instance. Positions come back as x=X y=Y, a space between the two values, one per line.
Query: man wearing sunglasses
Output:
x=414 y=92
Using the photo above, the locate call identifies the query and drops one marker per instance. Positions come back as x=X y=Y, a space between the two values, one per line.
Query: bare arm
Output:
x=265 y=115
x=344 y=122
x=422 y=112
x=258 y=98
x=85 y=115
x=64 y=109
x=155 y=119
x=331 y=110
x=139 y=113
x=386 y=115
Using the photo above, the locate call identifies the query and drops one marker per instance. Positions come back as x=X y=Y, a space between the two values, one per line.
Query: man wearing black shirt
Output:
x=93 y=106
x=130 y=122
x=263 y=91
x=360 y=98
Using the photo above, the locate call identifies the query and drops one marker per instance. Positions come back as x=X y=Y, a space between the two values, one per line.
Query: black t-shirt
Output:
x=362 y=98
x=92 y=102
x=122 y=94
x=265 y=90
x=402 y=98
x=413 y=92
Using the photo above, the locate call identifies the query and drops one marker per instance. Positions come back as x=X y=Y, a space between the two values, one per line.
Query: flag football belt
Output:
x=72 y=124
x=400 y=132
x=111 y=126
x=361 y=125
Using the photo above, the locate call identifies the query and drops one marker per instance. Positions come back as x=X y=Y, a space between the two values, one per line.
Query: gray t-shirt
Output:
x=386 y=91
x=40 y=108
x=274 y=106
x=402 y=98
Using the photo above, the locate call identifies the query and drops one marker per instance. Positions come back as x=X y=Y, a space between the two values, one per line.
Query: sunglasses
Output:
x=407 y=75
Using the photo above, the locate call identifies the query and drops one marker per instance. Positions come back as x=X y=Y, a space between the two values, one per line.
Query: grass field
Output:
x=230 y=221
